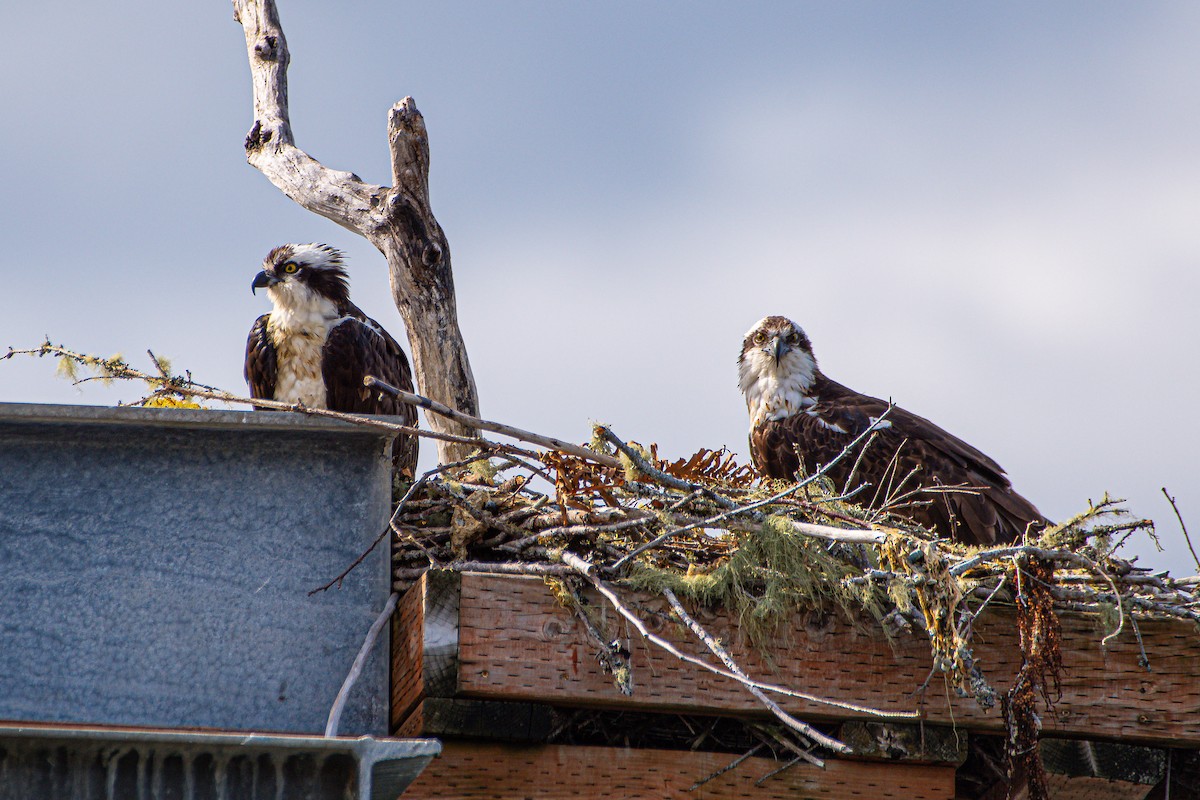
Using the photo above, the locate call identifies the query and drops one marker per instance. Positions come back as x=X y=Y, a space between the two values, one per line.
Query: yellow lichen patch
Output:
x=168 y=401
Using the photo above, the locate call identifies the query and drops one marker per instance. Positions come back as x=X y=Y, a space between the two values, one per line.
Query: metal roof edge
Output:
x=208 y=419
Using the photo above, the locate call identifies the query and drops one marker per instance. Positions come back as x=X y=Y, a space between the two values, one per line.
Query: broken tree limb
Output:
x=398 y=220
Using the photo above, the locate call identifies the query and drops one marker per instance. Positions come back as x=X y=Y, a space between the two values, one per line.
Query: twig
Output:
x=813 y=528
x=889 y=474
x=417 y=484
x=576 y=530
x=486 y=425
x=186 y=387
x=786 y=766
x=1051 y=555
x=1093 y=597
x=731 y=765
x=664 y=478
x=1179 y=517
x=827 y=532
x=498 y=567
x=731 y=665
x=613 y=658
x=1000 y=553
x=969 y=622
x=1143 y=659
x=799 y=751
x=339 y=703
x=858 y=460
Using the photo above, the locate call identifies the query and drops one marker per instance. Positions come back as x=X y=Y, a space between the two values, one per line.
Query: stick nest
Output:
x=706 y=529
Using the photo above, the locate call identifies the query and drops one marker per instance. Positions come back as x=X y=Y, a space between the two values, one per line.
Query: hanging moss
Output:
x=772 y=574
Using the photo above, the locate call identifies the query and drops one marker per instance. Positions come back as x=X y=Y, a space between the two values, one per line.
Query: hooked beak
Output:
x=262 y=280
x=778 y=348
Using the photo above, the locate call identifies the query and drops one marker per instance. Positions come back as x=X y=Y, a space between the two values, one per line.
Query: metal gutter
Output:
x=111 y=763
x=43 y=413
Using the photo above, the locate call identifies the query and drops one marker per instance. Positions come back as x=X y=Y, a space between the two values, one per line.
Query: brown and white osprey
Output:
x=315 y=347
x=798 y=413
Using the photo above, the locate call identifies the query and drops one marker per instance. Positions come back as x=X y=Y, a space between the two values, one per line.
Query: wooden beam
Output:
x=466 y=770
x=1064 y=787
x=514 y=642
x=478 y=719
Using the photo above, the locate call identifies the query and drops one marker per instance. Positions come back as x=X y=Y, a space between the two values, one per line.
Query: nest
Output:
x=707 y=530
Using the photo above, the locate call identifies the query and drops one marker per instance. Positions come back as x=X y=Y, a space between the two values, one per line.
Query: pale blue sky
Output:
x=986 y=211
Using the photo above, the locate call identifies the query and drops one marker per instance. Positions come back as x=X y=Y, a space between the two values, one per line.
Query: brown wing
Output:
x=359 y=347
x=962 y=494
x=261 y=361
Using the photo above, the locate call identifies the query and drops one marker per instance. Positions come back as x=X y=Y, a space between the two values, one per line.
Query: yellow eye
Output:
x=794 y=338
x=760 y=337
x=290 y=267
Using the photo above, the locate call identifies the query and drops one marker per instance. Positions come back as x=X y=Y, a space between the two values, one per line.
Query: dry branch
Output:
x=469 y=421
x=398 y=220
x=720 y=652
x=1186 y=537
x=339 y=702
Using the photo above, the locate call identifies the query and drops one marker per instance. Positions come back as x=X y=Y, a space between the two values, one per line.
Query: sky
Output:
x=984 y=211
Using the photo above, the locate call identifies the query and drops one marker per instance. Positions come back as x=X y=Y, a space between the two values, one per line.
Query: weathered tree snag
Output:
x=422 y=283
x=398 y=220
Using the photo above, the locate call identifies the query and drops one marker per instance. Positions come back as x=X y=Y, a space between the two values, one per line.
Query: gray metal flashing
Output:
x=99 y=763
x=206 y=419
x=157 y=567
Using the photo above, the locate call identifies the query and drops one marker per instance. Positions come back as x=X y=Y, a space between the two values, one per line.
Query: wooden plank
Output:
x=556 y=772
x=1064 y=787
x=515 y=642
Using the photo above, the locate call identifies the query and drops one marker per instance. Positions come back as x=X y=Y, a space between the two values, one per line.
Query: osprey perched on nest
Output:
x=315 y=347
x=917 y=469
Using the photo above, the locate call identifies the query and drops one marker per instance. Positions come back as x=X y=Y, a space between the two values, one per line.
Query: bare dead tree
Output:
x=396 y=219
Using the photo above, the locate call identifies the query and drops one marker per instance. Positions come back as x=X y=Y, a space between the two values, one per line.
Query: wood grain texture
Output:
x=1063 y=787
x=556 y=772
x=407 y=675
x=398 y=219
x=516 y=643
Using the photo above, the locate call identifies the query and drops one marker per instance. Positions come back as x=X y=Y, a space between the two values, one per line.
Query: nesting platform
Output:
x=496 y=667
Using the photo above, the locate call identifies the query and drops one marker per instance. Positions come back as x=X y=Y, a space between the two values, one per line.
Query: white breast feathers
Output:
x=775 y=391
x=298 y=326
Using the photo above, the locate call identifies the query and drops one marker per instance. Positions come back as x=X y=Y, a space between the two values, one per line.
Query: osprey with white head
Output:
x=910 y=467
x=315 y=346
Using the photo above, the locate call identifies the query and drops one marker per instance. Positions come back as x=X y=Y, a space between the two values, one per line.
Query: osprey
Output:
x=913 y=467
x=315 y=347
